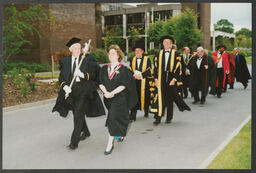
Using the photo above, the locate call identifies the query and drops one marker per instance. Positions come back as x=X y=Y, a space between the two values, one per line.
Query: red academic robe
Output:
x=225 y=64
x=232 y=63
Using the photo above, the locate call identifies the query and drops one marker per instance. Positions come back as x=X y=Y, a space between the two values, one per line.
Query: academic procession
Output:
x=133 y=65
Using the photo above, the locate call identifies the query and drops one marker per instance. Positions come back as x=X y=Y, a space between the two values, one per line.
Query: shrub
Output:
x=23 y=79
x=244 y=53
x=33 y=68
x=100 y=55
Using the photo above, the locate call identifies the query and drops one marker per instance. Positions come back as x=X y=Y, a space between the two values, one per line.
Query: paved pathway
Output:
x=34 y=138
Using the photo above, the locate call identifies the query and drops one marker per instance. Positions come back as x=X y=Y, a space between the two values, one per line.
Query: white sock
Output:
x=110 y=143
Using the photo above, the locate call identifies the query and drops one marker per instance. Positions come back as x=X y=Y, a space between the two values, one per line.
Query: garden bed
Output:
x=12 y=95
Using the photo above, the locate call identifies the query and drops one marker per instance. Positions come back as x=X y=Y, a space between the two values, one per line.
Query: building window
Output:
x=135 y=18
x=161 y=15
x=114 y=20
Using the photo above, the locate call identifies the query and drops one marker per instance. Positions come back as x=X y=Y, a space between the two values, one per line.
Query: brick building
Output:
x=87 y=21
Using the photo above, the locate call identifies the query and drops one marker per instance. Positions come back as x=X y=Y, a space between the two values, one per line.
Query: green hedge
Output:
x=100 y=55
x=32 y=67
x=242 y=52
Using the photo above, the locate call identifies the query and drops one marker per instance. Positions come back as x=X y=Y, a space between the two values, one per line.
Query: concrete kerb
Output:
x=28 y=105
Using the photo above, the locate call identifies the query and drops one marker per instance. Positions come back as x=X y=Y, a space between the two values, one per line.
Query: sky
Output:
x=240 y=14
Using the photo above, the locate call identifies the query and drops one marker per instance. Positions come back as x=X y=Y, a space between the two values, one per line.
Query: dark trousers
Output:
x=79 y=101
x=220 y=75
x=199 y=83
x=226 y=83
x=168 y=96
x=186 y=85
x=133 y=113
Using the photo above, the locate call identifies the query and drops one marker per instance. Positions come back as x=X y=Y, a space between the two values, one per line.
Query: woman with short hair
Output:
x=119 y=89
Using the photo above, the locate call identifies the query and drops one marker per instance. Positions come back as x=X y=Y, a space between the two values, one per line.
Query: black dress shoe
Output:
x=202 y=102
x=245 y=86
x=218 y=96
x=109 y=152
x=168 y=121
x=156 y=122
x=72 y=147
x=194 y=102
x=212 y=93
x=146 y=115
x=84 y=136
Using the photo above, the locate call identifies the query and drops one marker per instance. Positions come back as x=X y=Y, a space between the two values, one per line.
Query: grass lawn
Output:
x=237 y=154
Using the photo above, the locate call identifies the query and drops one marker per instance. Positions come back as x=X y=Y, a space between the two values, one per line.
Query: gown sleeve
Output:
x=101 y=75
x=128 y=81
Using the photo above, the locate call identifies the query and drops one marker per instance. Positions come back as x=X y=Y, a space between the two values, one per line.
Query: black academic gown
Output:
x=166 y=94
x=91 y=70
x=198 y=78
x=211 y=75
x=241 y=72
x=142 y=85
x=119 y=106
x=185 y=78
x=84 y=98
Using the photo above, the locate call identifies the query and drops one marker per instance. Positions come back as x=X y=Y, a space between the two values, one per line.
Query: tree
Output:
x=182 y=28
x=228 y=42
x=244 y=31
x=154 y=32
x=17 y=25
x=243 y=41
x=224 y=25
x=186 y=32
x=133 y=35
x=114 y=36
x=168 y=27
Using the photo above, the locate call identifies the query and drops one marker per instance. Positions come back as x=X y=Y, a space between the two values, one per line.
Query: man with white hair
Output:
x=83 y=97
x=198 y=67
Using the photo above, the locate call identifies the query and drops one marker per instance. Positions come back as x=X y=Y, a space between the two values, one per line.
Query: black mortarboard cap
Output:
x=139 y=45
x=73 y=41
x=168 y=37
x=220 y=46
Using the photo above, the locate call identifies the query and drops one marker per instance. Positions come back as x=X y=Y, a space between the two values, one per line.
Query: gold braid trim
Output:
x=172 y=60
x=133 y=64
x=160 y=104
x=143 y=82
x=177 y=66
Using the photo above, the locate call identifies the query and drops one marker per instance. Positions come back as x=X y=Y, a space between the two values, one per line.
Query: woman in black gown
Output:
x=119 y=89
